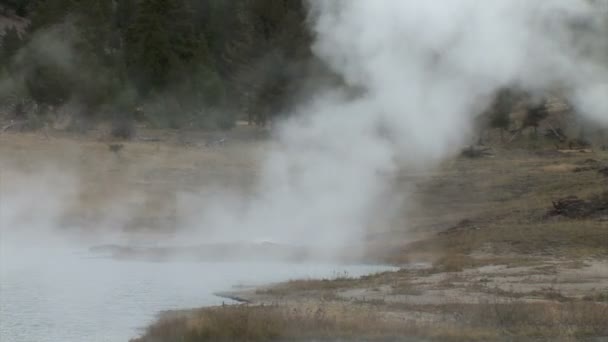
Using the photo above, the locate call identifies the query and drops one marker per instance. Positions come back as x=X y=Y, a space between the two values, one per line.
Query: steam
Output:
x=415 y=75
x=423 y=69
x=31 y=205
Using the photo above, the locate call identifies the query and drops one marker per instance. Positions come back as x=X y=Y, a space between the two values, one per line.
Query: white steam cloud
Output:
x=424 y=69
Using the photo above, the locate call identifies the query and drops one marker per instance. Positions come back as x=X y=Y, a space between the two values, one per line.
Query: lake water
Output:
x=72 y=297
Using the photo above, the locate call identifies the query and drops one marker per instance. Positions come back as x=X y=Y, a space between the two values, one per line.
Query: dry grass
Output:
x=269 y=323
x=477 y=322
x=304 y=285
x=405 y=287
x=499 y=206
x=573 y=319
x=144 y=179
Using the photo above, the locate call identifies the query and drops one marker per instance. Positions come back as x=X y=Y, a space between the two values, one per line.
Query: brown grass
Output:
x=269 y=323
x=499 y=206
x=304 y=285
x=475 y=322
x=144 y=179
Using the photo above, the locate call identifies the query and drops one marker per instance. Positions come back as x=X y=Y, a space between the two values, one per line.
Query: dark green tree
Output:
x=11 y=43
x=239 y=57
x=47 y=13
x=162 y=44
x=501 y=109
x=535 y=113
x=48 y=84
x=126 y=11
x=19 y=7
x=262 y=54
x=148 y=47
x=95 y=22
x=196 y=53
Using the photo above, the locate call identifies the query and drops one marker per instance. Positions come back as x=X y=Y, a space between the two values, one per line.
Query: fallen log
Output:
x=574 y=207
x=477 y=151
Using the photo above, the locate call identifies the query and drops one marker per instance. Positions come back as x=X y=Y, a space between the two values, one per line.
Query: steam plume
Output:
x=425 y=69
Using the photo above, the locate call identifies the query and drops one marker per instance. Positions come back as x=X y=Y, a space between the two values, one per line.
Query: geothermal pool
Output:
x=73 y=297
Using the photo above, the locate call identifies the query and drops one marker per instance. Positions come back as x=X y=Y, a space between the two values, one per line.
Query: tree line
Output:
x=171 y=63
x=189 y=63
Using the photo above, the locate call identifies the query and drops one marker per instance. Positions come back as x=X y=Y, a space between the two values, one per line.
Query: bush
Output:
x=48 y=84
x=176 y=112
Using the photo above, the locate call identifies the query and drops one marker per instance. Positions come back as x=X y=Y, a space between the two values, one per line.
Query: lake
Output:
x=74 y=297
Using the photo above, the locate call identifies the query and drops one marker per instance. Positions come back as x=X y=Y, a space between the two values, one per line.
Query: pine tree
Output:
x=19 y=7
x=501 y=109
x=11 y=43
x=267 y=41
x=162 y=44
x=48 y=84
x=148 y=47
x=125 y=14
x=94 y=21
x=240 y=55
x=47 y=13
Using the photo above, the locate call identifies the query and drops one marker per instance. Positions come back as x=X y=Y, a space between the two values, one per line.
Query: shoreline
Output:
x=234 y=296
x=431 y=297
